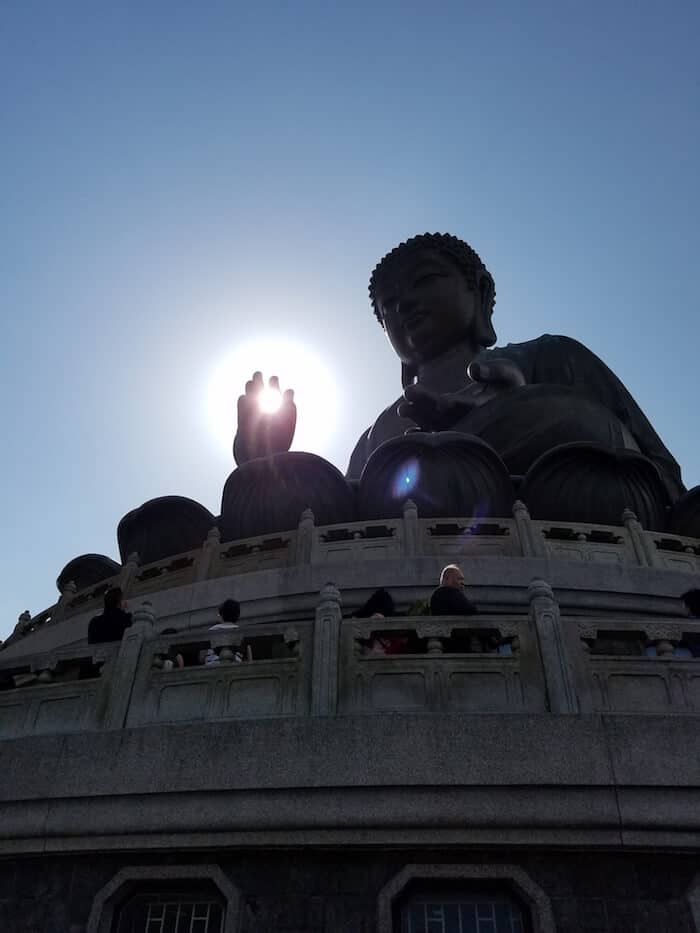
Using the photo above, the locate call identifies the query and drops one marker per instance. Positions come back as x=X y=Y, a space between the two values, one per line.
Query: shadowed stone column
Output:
x=411 y=531
x=644 y=548
x=306 y=535
x=128 y=571
x=531 y=541
x=67 y=593
x=206 y=556
x=122 y=671
x=324 y=671
x=558 y=673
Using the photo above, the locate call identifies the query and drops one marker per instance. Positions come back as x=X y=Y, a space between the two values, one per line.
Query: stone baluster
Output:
x=144 y=617
x=122 y=671
x=128 y=572
x=530 y=538
x=645 y=550
x=226 y=654
x=475 y=644
x=324 y=672
x=558 y=673
x=664 y=636
x=44 y=675
x=435 y=635
x=664 y=648
x=207 y=555
x=306 y=538
x=411 y=530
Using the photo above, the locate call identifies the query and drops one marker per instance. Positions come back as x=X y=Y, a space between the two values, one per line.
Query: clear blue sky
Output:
x=177 y=178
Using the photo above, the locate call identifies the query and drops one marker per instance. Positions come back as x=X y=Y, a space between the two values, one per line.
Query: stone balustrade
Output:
x=637 y=666
x=61 y=691
x=538 y=660
x=410 y=536
x=442 y=664
x=272 y=677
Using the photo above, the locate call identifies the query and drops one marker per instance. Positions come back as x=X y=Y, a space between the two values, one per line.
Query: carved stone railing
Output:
x=265 y=552
x=61 y=691
x=406 y=537
x=537 y=661
x=673 y=552
x=594 y=543
x=163 y=574
x=454 y=539
x=441 y=664
x=257 y=671
x=638 y=666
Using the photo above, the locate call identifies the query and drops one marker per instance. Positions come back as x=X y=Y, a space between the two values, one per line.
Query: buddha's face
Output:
x=426 y=305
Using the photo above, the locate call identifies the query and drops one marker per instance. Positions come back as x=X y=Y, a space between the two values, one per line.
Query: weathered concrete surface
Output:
x=373 y=779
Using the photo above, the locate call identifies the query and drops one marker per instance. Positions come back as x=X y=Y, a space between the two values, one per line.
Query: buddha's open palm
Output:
x=262 y=433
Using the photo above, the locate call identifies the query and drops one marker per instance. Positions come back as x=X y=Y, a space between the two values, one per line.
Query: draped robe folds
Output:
x=579 y=399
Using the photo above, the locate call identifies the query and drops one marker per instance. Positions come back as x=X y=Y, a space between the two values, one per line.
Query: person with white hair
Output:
x=449 y=599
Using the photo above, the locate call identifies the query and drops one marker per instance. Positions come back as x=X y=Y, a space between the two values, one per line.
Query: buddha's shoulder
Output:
x=548 y=350
x=545 y=343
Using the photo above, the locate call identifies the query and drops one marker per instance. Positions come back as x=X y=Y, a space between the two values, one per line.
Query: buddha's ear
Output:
x=485 y=295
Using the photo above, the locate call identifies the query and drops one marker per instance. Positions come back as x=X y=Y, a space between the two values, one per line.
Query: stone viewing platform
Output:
x=617 y=607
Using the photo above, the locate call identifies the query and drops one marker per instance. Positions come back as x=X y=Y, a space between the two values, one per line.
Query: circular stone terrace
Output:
x=572 y=618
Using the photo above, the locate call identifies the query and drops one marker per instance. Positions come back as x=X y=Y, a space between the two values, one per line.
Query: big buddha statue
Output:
x=475 y=429
x=547 y=414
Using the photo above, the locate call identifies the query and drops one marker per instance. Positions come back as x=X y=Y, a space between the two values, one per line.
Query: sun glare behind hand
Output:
x=298 y=367
x=270 y=401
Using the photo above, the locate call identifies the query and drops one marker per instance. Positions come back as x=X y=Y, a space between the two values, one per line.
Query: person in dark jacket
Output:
x=449 y=598
x=380 y=605
x=111 y=625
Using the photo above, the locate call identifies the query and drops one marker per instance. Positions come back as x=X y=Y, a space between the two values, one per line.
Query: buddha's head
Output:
x=431 y=292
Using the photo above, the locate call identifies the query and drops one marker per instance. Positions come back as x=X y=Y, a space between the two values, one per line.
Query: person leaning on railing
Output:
x=114 y=621
x=449 y=599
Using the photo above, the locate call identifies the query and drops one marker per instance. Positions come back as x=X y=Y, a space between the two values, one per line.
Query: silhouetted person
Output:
x=111 y=625
x=380 y=605
x=449 y=599
x=229 y=613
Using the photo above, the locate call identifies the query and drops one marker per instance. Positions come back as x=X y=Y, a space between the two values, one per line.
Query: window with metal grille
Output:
x=452 y=913
x=170 y=913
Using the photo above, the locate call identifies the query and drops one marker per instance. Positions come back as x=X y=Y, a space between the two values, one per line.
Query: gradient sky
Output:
x=177 y=179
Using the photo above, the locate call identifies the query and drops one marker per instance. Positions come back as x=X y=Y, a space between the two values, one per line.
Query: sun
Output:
x=298 y=366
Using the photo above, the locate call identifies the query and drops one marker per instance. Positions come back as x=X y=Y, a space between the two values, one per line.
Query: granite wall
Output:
x=316 y=891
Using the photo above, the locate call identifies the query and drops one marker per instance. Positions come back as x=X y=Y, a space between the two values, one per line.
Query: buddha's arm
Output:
x=567 y=362
x=358 y=458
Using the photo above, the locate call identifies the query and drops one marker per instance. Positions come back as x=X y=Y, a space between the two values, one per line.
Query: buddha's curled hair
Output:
x=477 y=275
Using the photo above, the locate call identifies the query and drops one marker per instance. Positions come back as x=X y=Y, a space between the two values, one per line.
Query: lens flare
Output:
x=406 y=479
x=270 y=401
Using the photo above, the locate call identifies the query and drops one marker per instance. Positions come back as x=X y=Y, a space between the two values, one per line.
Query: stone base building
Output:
x=530 y=769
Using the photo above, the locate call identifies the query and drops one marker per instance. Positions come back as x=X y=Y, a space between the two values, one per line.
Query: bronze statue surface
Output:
x=475 y=428
x=434 y=298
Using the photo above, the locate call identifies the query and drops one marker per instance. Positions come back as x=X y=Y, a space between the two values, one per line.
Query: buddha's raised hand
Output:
x=261 y=430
